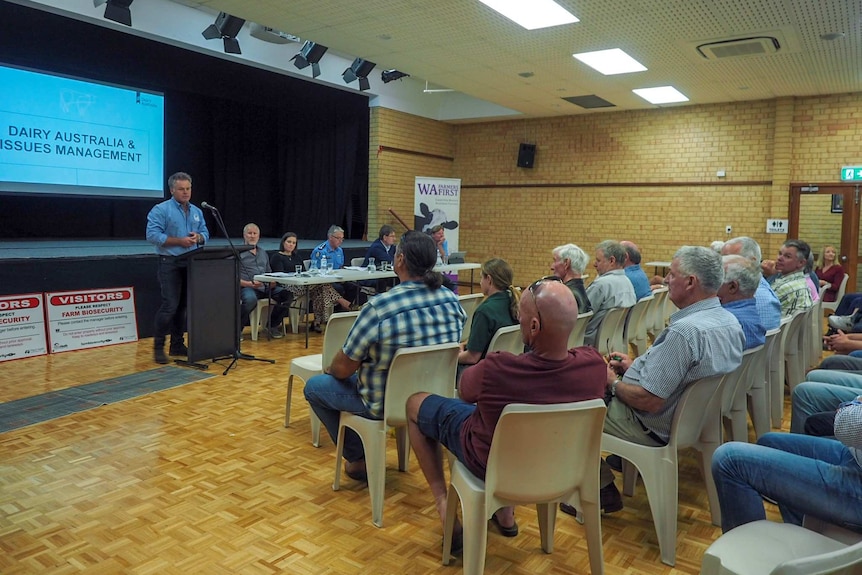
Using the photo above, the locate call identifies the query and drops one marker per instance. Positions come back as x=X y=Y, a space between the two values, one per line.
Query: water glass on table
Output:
x=371 y=267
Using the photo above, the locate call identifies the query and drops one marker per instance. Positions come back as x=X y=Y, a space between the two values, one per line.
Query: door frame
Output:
x=849 y=220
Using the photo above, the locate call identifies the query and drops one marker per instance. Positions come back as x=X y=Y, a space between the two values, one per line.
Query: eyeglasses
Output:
x=339 y=238
x=534 y=287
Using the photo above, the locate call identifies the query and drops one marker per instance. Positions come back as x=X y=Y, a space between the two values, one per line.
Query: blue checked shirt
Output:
x=768 y=305
x=701 y=340
x=408 y=315
x=745 y=311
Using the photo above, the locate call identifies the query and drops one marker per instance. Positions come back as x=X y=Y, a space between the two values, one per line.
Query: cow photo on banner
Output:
x=437 y=201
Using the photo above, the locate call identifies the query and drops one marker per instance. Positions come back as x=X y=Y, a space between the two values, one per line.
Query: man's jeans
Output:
x=824 y=391
x=806 y=475
x=328 y=397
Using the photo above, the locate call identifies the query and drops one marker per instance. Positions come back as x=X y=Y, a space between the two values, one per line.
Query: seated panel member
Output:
x=382 y=250
x=414 y=313
x=548 y=373
x=255 y=262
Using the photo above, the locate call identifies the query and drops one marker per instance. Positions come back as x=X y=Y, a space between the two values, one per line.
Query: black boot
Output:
x=178 y=348
x=159 y=351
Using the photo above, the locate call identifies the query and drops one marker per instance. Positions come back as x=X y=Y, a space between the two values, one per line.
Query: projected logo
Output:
x=74 y=101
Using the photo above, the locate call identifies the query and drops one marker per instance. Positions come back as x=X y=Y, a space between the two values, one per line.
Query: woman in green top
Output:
x=498 y=309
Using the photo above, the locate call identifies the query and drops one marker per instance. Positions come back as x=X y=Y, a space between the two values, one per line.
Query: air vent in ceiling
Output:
x=755 y=46
x=590 y=101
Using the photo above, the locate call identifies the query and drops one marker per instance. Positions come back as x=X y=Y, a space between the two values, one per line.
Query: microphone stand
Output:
x=237 y=354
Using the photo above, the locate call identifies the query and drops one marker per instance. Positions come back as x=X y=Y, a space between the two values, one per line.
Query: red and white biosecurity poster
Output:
x=22 y=326
x=90 y=318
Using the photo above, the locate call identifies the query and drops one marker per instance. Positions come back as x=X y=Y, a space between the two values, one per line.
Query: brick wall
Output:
x=648 y=176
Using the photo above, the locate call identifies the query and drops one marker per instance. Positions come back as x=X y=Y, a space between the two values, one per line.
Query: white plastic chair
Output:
x=833 y=305
x=356 y=262
x=795 y=348
x=771 y=548
x=758 y=392
x=469 y=302
x=507 y=338
x=429 y=368
x=610 y=335
x=576 y=338
x=656 y=321
x=776 y=374
x=636 y=328
x=308 y=366
x=814 y=335
x=734 y=392
x=695 y=424
x=256 y=315
x=540 y=454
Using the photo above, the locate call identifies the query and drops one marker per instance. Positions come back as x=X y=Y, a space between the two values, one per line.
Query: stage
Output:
x=66 y=265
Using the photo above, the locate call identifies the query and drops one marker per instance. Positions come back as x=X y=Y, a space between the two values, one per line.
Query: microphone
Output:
x=209 y=207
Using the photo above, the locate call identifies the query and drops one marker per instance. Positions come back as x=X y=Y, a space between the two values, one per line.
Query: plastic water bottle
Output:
x=323 y=264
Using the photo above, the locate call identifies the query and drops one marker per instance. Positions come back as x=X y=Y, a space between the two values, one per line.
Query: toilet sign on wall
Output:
x=774 y=226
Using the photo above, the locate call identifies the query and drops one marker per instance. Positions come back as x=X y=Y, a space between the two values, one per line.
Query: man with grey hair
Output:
x=611 y=289
x=768 y=306
x=702 y=339
x=568 y=265
x=331 y=250
x=741 y=277
x=791 y=287
x=633 y=270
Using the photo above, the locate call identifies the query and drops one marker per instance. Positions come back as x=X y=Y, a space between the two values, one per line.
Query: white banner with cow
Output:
x=438 y=202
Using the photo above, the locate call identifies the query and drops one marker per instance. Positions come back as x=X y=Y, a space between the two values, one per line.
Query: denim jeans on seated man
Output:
x=339 y=395
x=824 y=391
x=806 y=475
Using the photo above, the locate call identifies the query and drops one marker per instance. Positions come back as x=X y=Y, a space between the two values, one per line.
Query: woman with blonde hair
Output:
x=829 y=272
x=498 y=309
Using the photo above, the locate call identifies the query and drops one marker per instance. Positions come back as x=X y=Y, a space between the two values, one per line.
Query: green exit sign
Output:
x=851 y=173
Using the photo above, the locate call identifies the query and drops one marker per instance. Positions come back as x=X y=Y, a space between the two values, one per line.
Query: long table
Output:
x=306 y=280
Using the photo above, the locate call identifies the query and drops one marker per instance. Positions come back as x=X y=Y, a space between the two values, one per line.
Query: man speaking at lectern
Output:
x=175 y=227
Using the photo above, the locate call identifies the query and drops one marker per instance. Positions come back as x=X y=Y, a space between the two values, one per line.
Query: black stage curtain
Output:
x=263 y=147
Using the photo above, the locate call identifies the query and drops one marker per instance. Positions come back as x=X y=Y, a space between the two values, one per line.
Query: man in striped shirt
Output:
x=702 y=340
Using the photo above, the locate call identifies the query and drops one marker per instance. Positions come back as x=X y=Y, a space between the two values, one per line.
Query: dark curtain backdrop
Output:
x=262 y=147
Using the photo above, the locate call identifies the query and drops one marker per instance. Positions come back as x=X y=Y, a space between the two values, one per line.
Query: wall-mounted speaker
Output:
x=526 y=155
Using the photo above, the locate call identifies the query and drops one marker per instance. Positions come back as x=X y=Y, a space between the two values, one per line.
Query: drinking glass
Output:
x=329 y=268
x=371 y=267
x=298 y=270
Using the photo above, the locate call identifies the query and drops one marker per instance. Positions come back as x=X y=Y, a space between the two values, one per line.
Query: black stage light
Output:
x=117 y=10
x=310 y=54
x=392 y=75
x=359 y=70
x=225 y=27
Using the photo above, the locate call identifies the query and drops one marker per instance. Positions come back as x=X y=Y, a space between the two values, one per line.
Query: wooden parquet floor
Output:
x=204 y=478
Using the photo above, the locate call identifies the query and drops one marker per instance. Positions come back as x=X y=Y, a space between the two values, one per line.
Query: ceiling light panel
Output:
x=661 y=95
x=534 y=14
x=610 y=62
